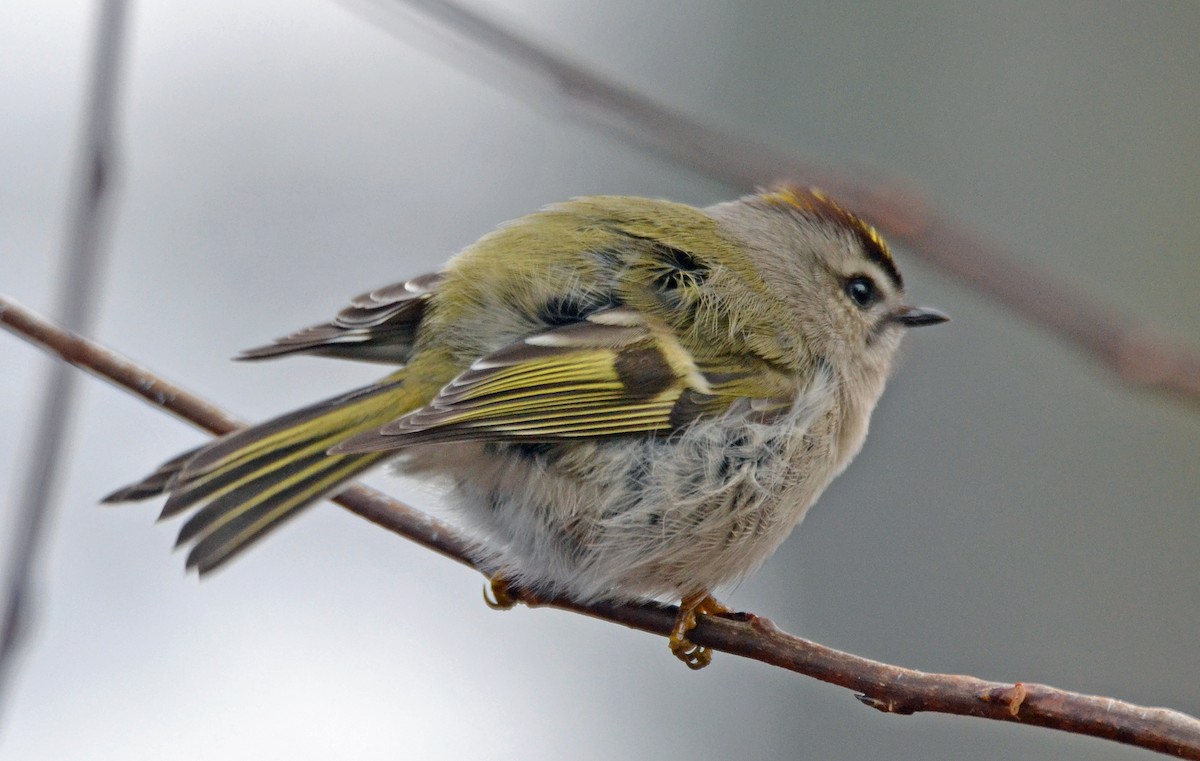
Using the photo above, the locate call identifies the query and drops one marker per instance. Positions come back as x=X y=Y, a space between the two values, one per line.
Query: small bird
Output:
x=624 y=398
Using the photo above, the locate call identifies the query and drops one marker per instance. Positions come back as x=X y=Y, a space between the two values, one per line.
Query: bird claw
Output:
x=506 y=595
x=694 y=656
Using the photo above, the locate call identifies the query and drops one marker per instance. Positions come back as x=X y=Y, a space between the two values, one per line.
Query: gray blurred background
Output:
x=1015 y=514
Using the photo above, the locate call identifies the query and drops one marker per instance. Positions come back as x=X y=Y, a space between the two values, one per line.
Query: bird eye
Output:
x=862 y=291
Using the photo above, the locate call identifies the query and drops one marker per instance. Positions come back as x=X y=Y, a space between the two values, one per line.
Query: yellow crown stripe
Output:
x=814 y=201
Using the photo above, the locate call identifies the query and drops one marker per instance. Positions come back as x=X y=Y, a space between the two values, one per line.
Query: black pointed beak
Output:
x=915 y=317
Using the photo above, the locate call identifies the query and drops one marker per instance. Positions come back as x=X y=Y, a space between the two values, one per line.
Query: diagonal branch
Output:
x=1141 y=355
x=887 y=688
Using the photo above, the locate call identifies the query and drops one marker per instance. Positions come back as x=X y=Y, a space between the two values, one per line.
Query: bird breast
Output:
x=631 y=518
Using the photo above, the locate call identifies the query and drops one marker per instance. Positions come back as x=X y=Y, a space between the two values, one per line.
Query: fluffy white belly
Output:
x=638 y=518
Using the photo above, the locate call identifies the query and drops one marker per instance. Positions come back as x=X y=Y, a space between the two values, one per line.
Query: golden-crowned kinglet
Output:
x=625 y=398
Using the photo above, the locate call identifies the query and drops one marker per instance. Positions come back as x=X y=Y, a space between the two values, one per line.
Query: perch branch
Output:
x=887 y=688
x=1140 y=355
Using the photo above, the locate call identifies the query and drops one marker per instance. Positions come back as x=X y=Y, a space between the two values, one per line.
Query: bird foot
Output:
x=693 y=655
x=505 y=595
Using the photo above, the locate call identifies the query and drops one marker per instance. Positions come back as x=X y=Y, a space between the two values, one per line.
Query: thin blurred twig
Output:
x=1141 y=355
x=81 y=265
x=887 y=688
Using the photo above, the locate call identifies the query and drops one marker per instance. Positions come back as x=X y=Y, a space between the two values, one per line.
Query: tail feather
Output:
x=254 y=520
x=286 y=429
x=249 y=482
x=228 y=506
x=241 y=473
x=154 y=484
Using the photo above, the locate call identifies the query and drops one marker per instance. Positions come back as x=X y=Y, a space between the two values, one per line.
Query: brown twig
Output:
x=1140 y=355
x=887 y=688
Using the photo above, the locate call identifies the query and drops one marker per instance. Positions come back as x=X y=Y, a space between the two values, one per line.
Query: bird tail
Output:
x=250 y=481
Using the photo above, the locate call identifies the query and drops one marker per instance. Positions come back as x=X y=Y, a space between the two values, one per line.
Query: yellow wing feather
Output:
x=613 y=374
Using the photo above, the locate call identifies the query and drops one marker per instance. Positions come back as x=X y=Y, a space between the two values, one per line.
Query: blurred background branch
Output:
x=1140 y=354
x=888 y=688
x=79 y=292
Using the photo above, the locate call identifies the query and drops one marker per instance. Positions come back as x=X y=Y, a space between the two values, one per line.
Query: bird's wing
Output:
x=377 y=326
x=612 y=374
